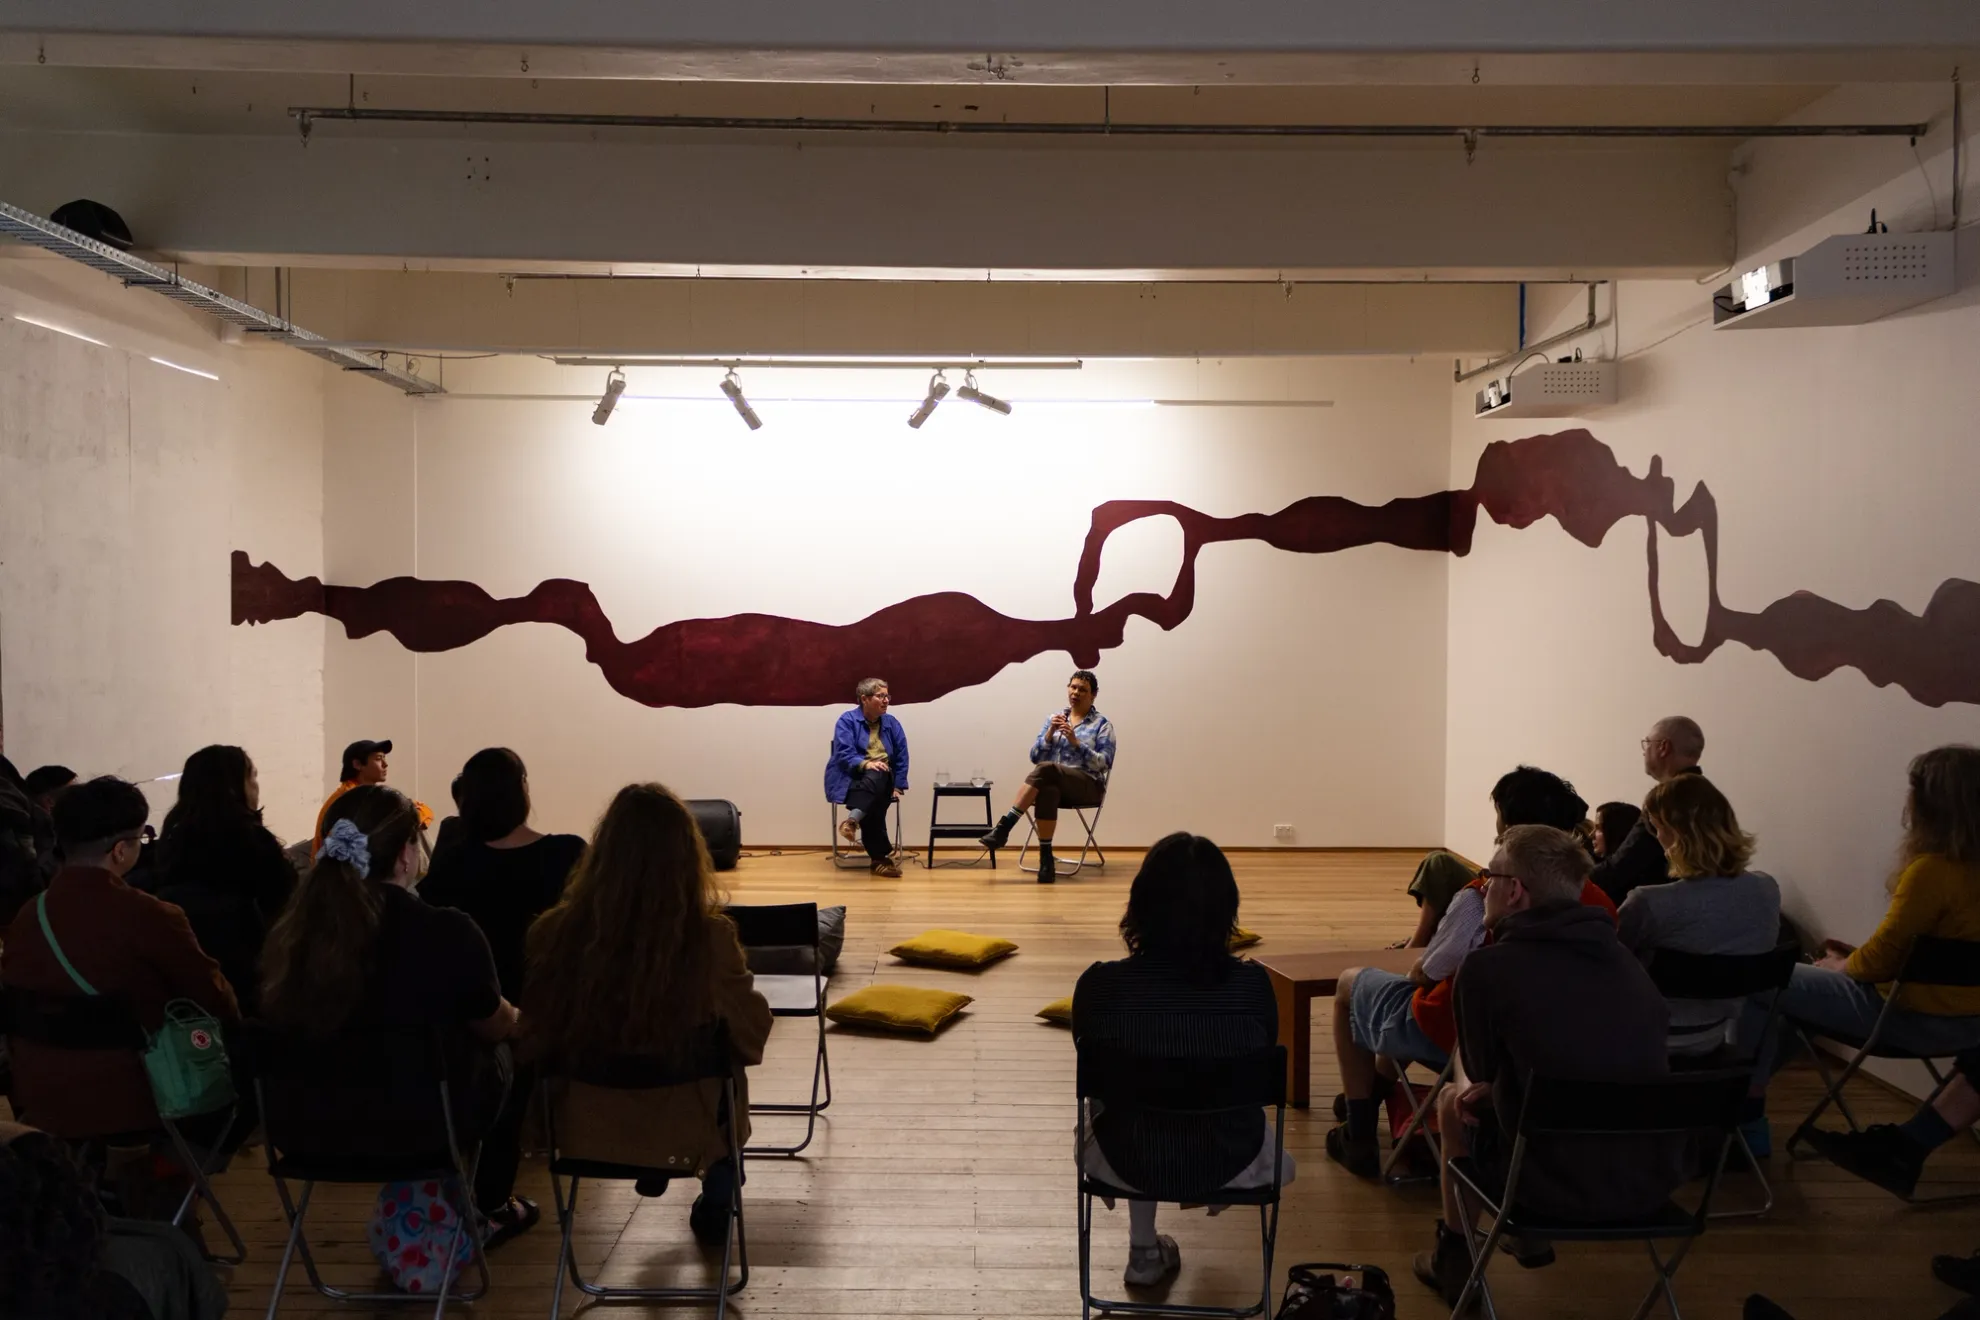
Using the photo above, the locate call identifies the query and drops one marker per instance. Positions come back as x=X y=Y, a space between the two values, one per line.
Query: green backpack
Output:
x=186 y=1059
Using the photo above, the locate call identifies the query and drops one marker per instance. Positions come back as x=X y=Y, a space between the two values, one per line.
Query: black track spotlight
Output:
x=733 y=388
x=615 y=385
x=938 y=390
x=979 y=398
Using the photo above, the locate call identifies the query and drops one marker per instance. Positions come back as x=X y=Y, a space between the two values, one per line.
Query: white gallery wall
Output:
x=1304 y=690
x=124 y=486
x=1844 y=463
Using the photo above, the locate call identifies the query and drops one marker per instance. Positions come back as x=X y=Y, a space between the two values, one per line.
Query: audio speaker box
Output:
x=721 y=826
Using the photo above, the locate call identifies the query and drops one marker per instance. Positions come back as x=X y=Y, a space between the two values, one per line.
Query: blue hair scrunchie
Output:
x=346 y=843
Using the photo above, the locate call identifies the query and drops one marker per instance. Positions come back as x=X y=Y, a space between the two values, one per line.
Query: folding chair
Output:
x=108 y=1022
x=791 y=927
x=856 y=856
x=1092 y=845
x=1729 y=976
x=1420 y=1113
x=1932 y=961
x=321 y=1120
x=1195 y=1088
x=711 y=1059
x=1673 y=1107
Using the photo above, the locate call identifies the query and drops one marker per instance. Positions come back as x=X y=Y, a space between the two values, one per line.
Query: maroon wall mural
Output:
x=935 y=644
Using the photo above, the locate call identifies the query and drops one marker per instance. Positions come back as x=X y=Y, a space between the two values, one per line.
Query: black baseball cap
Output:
x=361 y=751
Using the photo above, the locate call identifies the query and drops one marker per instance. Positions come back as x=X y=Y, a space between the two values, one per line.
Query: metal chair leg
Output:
x=296 y=1214
x=202 y=1187
x=1419 y=1117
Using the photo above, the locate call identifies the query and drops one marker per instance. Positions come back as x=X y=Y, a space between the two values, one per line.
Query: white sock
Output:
x=1141 y=1225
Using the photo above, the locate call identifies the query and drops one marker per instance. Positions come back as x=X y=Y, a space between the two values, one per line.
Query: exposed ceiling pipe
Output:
x=1459 y=375
x=306 y=115
x=137 y=273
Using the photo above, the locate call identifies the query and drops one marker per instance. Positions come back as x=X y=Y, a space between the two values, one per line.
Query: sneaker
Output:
x=1445 y=1268
x=1532 y=1253
x=1148 y=1266
x=1961 y=1272
x=886 y=869
x=1363 y=1159
x=1882 y=1155
x=511 y=1221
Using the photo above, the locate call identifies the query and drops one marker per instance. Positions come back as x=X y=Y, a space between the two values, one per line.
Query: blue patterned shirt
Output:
x=1091 y=748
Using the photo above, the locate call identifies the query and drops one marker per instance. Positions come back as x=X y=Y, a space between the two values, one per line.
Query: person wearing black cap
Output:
x=364 y=763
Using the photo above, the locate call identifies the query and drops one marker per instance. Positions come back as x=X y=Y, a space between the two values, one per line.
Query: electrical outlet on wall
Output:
x=1282 y=833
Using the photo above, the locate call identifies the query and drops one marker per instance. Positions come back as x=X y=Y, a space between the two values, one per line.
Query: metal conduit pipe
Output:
x=307 y=115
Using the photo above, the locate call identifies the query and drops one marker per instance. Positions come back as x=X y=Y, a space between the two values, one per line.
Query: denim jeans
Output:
x=1826 y=1003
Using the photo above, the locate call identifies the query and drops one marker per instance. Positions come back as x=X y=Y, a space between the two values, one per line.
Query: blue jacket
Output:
x=848 y=752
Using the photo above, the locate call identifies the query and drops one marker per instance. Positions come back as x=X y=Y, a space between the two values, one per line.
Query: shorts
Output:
x=1380 y=1019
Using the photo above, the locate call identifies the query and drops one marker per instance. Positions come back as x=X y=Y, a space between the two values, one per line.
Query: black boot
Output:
x=1882 y=1155
x=1000 y=833
x=1046 y=875
x=1446 y=1267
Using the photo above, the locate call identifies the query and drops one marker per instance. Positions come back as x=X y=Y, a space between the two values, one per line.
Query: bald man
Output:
x=1671 y=748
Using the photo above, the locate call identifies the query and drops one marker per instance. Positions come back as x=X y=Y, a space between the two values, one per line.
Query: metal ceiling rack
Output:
x=137 y=273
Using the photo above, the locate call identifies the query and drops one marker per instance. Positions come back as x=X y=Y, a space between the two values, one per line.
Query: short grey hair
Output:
x=1551 y=863
x=869 y=686
x=1686 y=738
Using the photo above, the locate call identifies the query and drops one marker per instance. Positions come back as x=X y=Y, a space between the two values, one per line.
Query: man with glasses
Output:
x=117 y=940
x=1380 y=1017
x=867 y=769
x=1671 y=748
x=1071 y=759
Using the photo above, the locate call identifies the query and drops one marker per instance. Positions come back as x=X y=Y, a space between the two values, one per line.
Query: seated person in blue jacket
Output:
x=1071 y=759
x=867 y=770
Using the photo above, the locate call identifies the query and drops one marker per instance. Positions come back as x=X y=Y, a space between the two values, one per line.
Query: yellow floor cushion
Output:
x=1058 y=1012
x=906 y=1008
x=953 y=948
x=1244 y=939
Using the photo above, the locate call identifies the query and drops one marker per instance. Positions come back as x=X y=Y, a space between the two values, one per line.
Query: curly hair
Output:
x=51 y=1232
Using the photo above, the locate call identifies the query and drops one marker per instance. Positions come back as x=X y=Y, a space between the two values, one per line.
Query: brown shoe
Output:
x=886 y=870
x=849 y=829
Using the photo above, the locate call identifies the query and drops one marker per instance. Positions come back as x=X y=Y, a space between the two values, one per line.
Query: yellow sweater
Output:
x=1934 y=896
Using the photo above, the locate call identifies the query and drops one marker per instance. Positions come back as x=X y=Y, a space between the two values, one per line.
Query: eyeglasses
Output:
x=1488 y=875
x=1648 y=743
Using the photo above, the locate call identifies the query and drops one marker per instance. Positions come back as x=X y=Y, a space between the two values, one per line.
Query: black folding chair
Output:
x=1683 y=1105
x=793 y=928
x=1933 y=960
x=321 y=1102
x=1194 y=1088
x=1420 y=1111
x=854 y=856
x=108 y=1022
x=1729 y=976
x=710 y=1059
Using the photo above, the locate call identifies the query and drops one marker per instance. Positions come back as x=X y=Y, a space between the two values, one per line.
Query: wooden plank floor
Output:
x=941 y=1180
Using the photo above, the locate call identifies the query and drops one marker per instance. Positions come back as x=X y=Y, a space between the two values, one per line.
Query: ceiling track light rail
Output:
x=307 y=115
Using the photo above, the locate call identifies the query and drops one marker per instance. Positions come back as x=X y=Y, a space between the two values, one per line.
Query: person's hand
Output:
x=875 y=765
x=1472 y=1098
x=898 y=792
x=1837 y=947
x=1832 y=961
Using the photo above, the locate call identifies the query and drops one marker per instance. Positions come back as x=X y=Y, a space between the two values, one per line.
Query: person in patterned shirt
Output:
x=1071 y=759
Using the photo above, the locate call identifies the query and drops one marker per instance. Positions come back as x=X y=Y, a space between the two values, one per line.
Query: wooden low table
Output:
x=1299 y=978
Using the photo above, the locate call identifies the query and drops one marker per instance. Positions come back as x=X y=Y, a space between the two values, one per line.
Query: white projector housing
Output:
x=1845 y=280
x=1552 y=389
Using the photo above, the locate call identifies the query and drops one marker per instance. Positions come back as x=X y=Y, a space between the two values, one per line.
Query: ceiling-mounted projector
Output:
x=1845 y=280
x=1552 y=389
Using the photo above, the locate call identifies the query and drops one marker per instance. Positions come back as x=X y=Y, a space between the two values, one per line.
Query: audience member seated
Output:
x=356 y=950
x=61 y=1258
x=45 y=783
x=1671 y=748
x=1380 y=1017
x=1714 y=905
x=1936 y=892
x=1556 y=995
x=1440 y=877
x=637 y=959
x=866 y=770
x=1073 y=756
x=364 y=763
x=1179 y=994
x=222 y=867
x=119 y=941
x=23 y=826
x=1613 y=822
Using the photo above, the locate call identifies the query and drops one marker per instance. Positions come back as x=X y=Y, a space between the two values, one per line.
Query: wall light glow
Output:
x=60 y=330
x=190 y=371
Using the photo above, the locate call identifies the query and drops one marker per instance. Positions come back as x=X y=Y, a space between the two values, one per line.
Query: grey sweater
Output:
x=1705 y=914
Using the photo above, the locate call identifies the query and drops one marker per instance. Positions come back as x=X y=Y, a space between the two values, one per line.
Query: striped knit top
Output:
x=1145 y=1005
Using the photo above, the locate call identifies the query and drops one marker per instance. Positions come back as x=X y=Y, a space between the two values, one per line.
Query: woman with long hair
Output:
x=1178 y=994
x=357 y=949
x=637 y=959
x=1613 y=822
x=222 y=866
x=1712 y=904
x=1935 y=890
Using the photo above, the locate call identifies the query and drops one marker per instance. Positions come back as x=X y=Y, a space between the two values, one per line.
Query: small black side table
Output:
x=939 y=829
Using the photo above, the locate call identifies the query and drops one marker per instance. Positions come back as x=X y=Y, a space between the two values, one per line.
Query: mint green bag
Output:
x=186 y=1059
